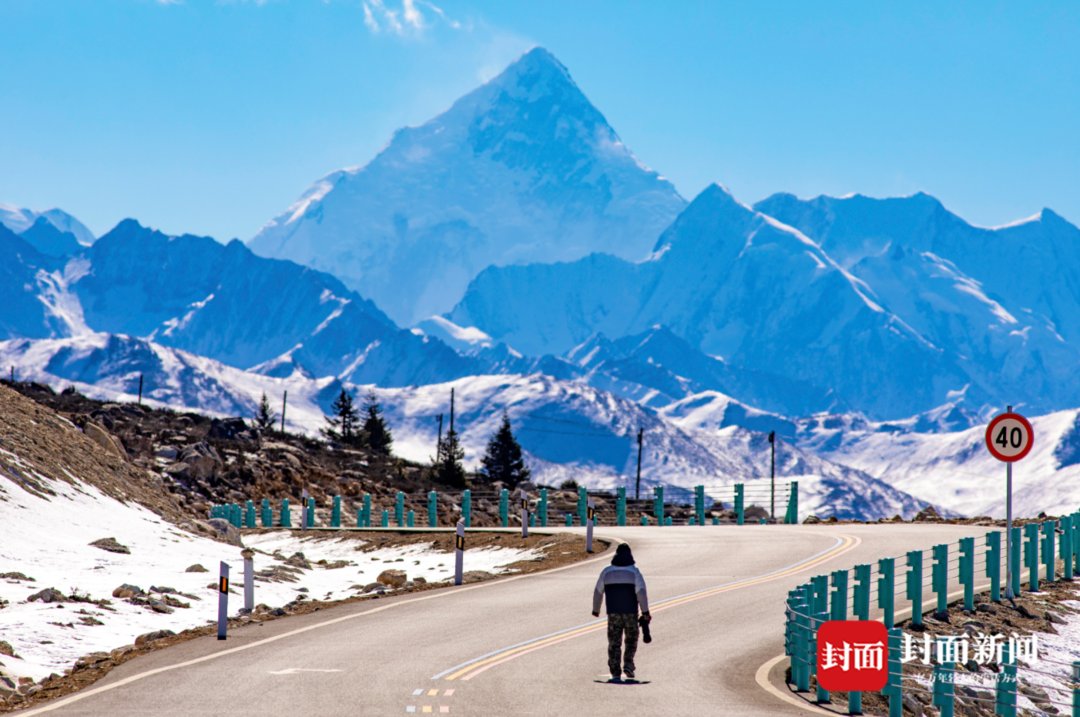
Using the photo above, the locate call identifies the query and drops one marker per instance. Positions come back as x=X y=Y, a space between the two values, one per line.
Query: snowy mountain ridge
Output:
x=522 y=169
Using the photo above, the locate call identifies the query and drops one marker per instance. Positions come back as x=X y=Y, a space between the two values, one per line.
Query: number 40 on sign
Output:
x=1009 y=437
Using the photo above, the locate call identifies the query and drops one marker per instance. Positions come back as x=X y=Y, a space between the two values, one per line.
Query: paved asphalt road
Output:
x=519 y=646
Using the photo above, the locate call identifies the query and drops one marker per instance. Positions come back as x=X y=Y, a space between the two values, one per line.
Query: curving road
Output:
x=519 y=646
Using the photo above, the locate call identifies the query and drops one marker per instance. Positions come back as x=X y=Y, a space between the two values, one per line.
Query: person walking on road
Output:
x=622 y=584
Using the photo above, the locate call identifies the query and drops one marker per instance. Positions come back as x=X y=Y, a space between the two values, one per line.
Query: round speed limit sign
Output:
x=1009 y=437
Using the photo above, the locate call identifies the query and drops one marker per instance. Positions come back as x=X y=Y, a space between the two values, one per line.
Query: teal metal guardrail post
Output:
x=894 y=687
x=466 y=507
x=839 y=598
x=1014 y=560
x=543 y=508
x=367 y=510
x=410 y=519
x=667 y=520
x=789 y=633
x=967 y=571
x=692 y=520
x=286 y=514
x=238 y=515
x=335 y=513
x=1076 y=541
x=620 y=506
x=944 y=686
x=915 y=585
x=644 y=520
x=886 y=591
x=399 y=508
x=822 y=696
x=792 y=517
x=385 y=522
x=800 y=666
x=1067 y=528
x=939 y=577
x=360 y=517
x=311 y=512
x=1076 y=688
x=249 y=514
x=699 y=504
x=1031 y=555
x=267 y=513
x=504 y=507
x=740 y=504
x=569 y=519
x=860 y=608
x=582 y=504
x=993 y=564
x=432 y=509
x=1049 y=529
x=1005 y=692
x=658 y=504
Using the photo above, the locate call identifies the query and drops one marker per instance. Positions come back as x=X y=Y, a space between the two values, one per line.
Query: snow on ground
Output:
x=1057 y=653
x=48 y=539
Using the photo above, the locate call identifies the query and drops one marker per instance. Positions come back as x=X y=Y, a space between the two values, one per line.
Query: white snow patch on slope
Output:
x=47 y=539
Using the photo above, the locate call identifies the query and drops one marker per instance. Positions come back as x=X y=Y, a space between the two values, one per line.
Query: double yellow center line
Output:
x=471 y=669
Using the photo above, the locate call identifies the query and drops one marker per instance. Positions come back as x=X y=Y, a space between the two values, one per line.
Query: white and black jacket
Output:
x=624 y=588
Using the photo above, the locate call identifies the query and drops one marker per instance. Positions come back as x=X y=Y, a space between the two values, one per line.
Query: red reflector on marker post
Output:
x=223 y=601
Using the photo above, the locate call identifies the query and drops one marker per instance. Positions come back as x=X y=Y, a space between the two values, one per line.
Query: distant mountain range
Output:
x=522 y=254
x=896 y=326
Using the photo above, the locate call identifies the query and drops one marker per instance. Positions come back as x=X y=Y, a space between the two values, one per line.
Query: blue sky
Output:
x=212 y=116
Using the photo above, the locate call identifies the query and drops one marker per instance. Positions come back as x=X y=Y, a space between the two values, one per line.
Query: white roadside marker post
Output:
x=223 y=601
x=249 y=578
x=591 y=518
x=524 y=512
x=459 y=551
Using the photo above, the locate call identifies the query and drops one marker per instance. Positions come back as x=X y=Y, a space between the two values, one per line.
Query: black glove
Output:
x=644 y=621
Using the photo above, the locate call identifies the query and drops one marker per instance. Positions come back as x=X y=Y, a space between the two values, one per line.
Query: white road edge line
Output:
x=78 y=696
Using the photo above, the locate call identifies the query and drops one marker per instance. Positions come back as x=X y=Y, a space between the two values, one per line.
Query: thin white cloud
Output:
x=411 y=17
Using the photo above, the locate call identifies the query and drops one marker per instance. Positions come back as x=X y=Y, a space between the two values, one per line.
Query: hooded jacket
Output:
x=622 y=584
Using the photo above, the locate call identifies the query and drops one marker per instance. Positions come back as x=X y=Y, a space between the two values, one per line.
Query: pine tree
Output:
x=503 y=460
x=265 y=418
x=343 y=424
x=448 y=468
x=375 y=428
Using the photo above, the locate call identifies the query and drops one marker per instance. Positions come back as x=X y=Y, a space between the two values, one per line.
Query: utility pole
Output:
x=637 y=488
x=772 y=475
x=284 y=402
x=438 y=445
x=140 y=388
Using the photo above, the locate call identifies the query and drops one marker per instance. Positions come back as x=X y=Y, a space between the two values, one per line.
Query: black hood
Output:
x=623 y=556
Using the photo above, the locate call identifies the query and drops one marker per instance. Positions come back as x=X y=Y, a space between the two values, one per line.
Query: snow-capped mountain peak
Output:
x=523 y=168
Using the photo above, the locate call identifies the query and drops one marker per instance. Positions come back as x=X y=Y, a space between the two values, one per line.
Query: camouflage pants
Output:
x=619 y=624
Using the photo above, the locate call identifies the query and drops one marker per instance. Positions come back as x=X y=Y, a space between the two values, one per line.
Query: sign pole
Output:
x=1008 y=526
x=1009 y=438
x=772 y=475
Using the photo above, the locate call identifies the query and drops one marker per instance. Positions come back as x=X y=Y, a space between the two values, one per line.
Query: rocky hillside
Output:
x=180 y=464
